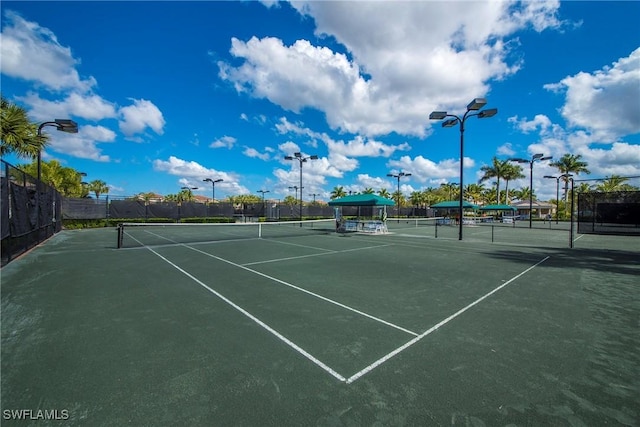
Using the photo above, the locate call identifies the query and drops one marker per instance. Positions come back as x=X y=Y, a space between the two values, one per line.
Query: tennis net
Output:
x=155 y=234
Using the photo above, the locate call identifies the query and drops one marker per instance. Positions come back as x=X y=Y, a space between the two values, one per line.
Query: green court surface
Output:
x=326 y=329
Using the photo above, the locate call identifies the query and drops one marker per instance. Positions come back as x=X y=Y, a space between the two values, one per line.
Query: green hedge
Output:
x=74 y=224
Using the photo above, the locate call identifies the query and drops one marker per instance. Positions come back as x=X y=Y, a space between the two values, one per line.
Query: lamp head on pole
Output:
x=487 y=113
x=66 y=125
x=449 y=123
x=476 y=104
x=437 y=115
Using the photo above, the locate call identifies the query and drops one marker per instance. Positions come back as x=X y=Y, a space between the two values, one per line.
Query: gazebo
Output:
x=377 y=223
x=498 y=209
x=454 y=205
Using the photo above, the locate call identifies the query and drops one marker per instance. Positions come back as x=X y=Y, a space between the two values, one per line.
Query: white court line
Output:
x=435 y=327
x=282 y=282
x=314 y=255
x=255 y=319
x=346 y=307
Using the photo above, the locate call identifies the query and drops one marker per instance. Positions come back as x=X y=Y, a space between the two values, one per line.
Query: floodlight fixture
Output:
x=449 y=123
x=437 y=115
x=487 y=113
x=476 y=104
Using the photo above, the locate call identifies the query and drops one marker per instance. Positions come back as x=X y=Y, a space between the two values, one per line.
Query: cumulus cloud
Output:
x=193 y=173
x=33 y=53
x=604 y=102
x=252 y=152
x=424 y=170
x=83 y=144
x=85 y=106
x=141 y=115
x=431 y=55
x=224 y=142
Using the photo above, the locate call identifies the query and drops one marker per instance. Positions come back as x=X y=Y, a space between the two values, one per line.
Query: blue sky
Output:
x=169 y=93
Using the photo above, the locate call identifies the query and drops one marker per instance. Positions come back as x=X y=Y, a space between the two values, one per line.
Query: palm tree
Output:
x=524 y=193
x=474 y=193
x=337 y=193
x=495 y=170
x=17 y=134
x=384 y=193
x=98 y=187
x=614 y=183
x=510 y=173
x=368 y=190
x=449 y=190
x=570 y=164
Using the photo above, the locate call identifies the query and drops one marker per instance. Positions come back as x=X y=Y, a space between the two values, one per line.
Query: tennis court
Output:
x=301 y=325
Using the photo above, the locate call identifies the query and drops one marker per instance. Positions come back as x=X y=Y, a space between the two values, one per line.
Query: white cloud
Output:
x=193 y=173
x=224 y=142
x=506 y=149
x=85 y=106
x=83 y=144
x=606 y=101
x=424 y=170
x=252 y=152
x=32 y=52
x=402 y=61
x=138 y=117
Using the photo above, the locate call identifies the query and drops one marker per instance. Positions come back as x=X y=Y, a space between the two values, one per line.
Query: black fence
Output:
x=30 y=211
x=609 y=213
x=88 y=208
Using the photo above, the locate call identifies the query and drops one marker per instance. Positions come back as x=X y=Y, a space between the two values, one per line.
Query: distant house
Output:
x=150 y=197
x=540 y=209
x=201 y=199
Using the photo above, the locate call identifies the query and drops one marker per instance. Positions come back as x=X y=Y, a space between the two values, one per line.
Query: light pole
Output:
x=534 y=158
x=63 y=125
x=571 y=220
x=300 y=158
x=314 y=196
x=263 y=204
x=213 y=186
x=472 y=110
x=398 y=175
x=557 y=178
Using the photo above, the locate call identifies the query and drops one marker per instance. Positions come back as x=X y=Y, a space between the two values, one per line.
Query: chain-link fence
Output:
x=30 y=211
x=130 y=208
x=609 y=213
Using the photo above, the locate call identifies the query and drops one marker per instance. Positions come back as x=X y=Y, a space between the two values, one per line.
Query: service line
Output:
x=435 y=327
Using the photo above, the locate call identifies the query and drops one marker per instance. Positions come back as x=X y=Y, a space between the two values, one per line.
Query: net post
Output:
x=120 y=235
x=437 y=228
x=260 y=230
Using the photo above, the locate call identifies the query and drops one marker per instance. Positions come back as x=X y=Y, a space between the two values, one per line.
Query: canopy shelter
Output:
x=453 y=204
x=378 y=209
x=498 y=208
x=362 y=200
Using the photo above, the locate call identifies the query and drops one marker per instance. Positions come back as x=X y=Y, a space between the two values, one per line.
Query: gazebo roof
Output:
x=362 y=200
x=452 y=204
x=498 y=208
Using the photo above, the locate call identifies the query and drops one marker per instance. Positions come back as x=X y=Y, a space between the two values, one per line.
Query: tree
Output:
x=570 y=164
x=337 y=192
x=67 y=181
x=17 y=134
x=368 y=190
x=384 y=193
x=474 y=193
x=449 y=190
x=614 y=183
x=496 y=170
x=524 y=193
x=510 y=173
x=98 y=187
